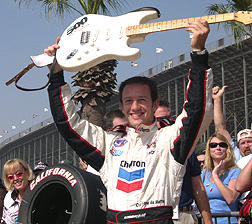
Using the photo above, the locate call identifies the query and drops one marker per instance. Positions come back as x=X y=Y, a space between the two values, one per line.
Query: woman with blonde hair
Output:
x=219 y=177
x=17 y=175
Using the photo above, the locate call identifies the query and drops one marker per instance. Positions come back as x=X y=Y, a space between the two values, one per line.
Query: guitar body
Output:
x=93 y=39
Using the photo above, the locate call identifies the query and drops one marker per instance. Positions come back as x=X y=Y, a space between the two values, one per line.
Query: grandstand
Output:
x=231 y=66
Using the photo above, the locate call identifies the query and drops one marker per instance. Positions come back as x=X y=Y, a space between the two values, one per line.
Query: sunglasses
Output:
x=221 y=144
x=18 y=175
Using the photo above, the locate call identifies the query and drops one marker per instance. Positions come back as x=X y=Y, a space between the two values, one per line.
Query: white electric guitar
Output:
x=93 y=39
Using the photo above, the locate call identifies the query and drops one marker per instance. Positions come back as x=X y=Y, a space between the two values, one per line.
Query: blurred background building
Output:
x=231 y=66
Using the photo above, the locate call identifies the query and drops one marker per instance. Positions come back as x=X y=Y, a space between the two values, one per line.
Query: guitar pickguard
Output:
x=93 y=39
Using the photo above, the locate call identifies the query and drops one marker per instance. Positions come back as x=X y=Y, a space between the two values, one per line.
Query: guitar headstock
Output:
x=244 y=17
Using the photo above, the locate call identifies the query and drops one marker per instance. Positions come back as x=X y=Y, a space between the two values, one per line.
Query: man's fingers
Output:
x=216 y=89
x=51 y=50
x=57 y=40
x=223 y=88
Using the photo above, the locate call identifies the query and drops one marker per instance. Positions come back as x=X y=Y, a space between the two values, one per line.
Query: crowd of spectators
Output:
x=209 y=186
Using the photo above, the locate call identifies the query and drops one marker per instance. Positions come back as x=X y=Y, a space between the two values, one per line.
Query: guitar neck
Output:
x=144 y=29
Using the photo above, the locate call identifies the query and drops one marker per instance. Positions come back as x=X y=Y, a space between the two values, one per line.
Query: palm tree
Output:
x=238 y=30
x=95 y=84
x=60 y=7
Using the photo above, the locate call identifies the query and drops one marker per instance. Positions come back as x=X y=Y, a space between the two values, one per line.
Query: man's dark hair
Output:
x=164 y=103
x=140 y=80
x=110 y=116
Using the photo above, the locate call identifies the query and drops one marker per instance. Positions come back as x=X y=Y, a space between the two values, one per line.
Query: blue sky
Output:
x=26 y=32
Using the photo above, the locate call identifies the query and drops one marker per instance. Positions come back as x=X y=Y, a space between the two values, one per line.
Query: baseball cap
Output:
x=245 y=133
x=66 y=162
x=200 y=149
x=40 y=166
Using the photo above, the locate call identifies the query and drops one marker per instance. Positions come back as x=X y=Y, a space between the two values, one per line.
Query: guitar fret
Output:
x=168 y=25
x=143 y=29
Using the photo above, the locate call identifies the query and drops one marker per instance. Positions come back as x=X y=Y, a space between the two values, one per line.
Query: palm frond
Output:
x=60 y=7
x=238 y=30
x=241 y=5
x=218 y=9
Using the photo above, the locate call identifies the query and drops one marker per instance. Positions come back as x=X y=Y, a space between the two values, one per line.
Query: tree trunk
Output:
x=94 y=114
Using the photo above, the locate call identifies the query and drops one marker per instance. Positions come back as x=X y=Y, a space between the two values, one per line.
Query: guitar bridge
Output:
x=85 y=37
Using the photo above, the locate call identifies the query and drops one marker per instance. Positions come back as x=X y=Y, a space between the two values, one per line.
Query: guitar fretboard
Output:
x=144 y=29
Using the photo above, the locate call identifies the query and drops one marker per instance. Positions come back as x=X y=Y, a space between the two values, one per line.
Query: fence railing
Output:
x=183 y=58
x=215 y=216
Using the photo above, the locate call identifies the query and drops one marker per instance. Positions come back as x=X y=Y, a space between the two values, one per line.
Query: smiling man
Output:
x=138 y=100
x=143 y=167
x=244 y=139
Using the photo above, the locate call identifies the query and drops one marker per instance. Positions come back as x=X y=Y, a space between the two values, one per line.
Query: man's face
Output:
x=119 y=121
x=245 y=146
x=162 y=112
x=201 y=159
x=137 y=104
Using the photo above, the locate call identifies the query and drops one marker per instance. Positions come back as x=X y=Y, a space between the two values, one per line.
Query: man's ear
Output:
x=155 y=105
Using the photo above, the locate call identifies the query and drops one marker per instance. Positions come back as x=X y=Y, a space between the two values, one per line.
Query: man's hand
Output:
x=218 y=92
x=200 y=30
x=51 y=50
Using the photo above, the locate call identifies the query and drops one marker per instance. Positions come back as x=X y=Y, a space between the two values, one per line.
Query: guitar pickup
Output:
x=85 y=37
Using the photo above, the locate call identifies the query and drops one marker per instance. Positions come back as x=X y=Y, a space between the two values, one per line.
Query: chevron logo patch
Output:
x=130 y=181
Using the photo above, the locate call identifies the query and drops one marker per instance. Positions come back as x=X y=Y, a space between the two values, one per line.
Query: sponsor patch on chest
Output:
x=131 y=176
x=118 y=146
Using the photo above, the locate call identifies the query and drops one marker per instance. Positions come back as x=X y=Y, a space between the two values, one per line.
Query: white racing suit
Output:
x=142 y=169
x=11 y=208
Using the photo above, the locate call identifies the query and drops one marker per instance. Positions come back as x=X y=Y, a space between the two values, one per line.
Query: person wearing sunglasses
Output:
x=244 y=137
x=17 y=175
x=219 y=177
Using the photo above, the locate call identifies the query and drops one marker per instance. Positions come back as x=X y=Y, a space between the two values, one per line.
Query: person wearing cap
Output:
x=39 y=167
x=244 y=138
x=200 y=152
x=66 y=162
